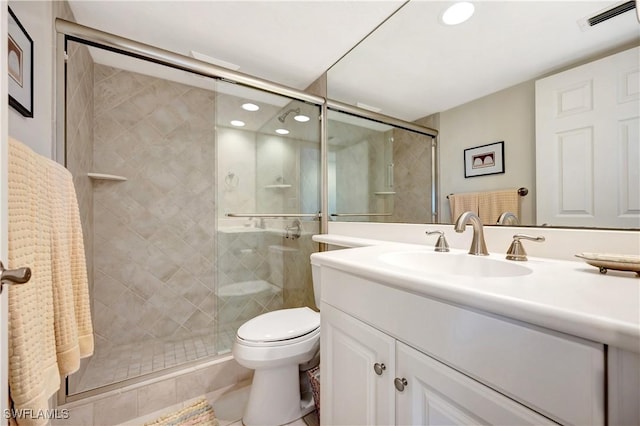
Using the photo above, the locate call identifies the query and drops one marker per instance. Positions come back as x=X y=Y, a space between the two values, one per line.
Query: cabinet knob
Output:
x=379 y=368
x=400 y=383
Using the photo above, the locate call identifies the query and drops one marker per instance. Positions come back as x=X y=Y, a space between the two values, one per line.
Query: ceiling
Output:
x=411 y=66
x=288 y=42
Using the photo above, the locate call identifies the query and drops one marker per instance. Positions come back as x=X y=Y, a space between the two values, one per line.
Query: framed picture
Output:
x=484 y=160
x=20 y=67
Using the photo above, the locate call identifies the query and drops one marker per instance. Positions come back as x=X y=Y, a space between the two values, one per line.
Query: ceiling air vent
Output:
x=611 y=13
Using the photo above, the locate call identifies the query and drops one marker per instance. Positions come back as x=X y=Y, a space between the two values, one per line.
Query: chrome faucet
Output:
x=478 y=246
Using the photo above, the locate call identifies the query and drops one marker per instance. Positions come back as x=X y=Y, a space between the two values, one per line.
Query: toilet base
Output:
x=275 y=397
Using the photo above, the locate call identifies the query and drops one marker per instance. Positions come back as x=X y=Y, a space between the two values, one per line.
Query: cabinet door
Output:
x=436 y=394
x=352 y=393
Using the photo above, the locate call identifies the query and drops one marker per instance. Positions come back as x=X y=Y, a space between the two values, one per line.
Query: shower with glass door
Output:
x=198 y=200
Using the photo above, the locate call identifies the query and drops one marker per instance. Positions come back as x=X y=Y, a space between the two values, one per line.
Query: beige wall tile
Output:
x=156 y=396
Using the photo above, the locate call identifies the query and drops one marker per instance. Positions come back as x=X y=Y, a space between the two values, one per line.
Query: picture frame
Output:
x=484 y=160
x=19 y=67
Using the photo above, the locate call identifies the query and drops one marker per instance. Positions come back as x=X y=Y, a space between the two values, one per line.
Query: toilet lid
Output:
x=278 y=325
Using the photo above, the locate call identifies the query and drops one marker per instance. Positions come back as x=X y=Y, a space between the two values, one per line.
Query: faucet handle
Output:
x=516 y=249
x=441 y=243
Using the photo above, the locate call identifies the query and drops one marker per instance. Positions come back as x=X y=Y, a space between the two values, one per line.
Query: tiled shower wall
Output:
x=412 y=177
x=155 y=232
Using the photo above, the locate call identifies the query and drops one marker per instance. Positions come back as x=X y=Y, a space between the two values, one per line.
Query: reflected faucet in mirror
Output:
x=478 y=246
x=508 y=218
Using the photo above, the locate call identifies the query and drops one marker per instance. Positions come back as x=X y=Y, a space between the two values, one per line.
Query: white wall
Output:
x=509 y=116
x=37 y=132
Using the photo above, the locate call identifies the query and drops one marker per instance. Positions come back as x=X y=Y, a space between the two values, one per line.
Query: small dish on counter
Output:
x=616 y=262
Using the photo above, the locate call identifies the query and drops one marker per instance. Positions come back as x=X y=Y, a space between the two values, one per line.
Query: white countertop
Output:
x=570 y=297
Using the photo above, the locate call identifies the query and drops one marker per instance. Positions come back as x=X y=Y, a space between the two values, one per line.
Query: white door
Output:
x=4 y=340
x=352 y=391
x=588 y=144
x=436 y=394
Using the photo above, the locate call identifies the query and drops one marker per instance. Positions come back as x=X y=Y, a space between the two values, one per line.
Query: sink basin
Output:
x=454 y=264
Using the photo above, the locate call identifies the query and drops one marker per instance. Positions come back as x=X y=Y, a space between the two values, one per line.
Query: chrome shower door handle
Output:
x=13 y=276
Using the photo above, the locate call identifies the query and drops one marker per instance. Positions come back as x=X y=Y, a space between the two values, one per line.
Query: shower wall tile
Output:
x=154 y=260
x=412 y=177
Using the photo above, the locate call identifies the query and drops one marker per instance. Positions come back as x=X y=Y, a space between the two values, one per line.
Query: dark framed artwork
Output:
x=484 y=160
x=20 y=67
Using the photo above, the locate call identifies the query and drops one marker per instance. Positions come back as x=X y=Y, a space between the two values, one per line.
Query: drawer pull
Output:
x=400 y=383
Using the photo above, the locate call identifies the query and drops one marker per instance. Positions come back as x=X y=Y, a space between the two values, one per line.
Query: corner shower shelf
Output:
x=280 y=186
x=102 y=176
x=384 y=193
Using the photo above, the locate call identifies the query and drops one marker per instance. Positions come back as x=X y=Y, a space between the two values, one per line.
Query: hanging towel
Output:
x=49 y=318
x=492 y=204
x=460 y=203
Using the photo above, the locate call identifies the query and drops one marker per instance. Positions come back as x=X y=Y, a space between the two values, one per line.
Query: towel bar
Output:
x=521 y=192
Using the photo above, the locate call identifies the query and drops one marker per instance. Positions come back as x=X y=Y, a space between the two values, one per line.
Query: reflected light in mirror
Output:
x=457 y=13
x=250 y=107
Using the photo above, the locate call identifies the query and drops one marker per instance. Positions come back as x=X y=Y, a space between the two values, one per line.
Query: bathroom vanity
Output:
x=410 y=336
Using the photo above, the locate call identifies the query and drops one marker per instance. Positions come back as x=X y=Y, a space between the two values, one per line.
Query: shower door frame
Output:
x=71 y=31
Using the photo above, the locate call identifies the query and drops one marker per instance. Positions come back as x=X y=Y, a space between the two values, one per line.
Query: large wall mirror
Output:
x=476 y=83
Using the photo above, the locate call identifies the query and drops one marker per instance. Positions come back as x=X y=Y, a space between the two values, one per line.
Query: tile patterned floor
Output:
x=128 y=361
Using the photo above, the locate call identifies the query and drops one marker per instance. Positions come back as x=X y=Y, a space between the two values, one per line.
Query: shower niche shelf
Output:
x=104 y=176
x=384 y=193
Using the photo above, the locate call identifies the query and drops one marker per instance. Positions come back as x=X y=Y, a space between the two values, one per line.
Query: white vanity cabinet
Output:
x=461 y=366
x=369 y=378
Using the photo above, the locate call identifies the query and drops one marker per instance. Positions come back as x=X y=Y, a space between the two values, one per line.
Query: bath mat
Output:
x=198 y=413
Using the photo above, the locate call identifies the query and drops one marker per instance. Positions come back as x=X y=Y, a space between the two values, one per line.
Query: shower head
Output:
x=284 y=115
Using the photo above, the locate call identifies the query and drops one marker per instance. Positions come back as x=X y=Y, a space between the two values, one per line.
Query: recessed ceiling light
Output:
x=458 y=12
x=301 y=118
x=237 y=123
x=250 y=107
x=282 y=131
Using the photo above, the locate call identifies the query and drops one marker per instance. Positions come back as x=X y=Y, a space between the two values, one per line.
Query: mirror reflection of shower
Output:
x=298 y=117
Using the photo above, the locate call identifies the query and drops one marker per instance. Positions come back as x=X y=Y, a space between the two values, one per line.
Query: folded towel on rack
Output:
x=460 y=203
x=74 y=331
x=492 y=204
x=49 y=317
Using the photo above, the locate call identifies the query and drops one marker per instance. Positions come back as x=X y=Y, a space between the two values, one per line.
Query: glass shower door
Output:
x=268 y=171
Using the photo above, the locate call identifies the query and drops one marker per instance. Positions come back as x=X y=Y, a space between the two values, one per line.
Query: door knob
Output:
x=400 y=383
x=13 y=276
x=379 y=368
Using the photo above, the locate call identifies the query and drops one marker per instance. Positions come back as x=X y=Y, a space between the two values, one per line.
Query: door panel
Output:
x=4 y=357
x=350 y=349
x=587 y=144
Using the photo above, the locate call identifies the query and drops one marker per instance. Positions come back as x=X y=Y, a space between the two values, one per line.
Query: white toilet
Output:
x=275 y=345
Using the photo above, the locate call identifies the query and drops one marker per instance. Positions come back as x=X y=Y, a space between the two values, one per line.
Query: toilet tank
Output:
x=315 y=276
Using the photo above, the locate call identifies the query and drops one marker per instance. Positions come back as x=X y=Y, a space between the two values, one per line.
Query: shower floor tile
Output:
x=133 y=360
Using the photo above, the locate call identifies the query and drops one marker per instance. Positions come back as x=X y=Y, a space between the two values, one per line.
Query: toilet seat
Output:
x=282 y=327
